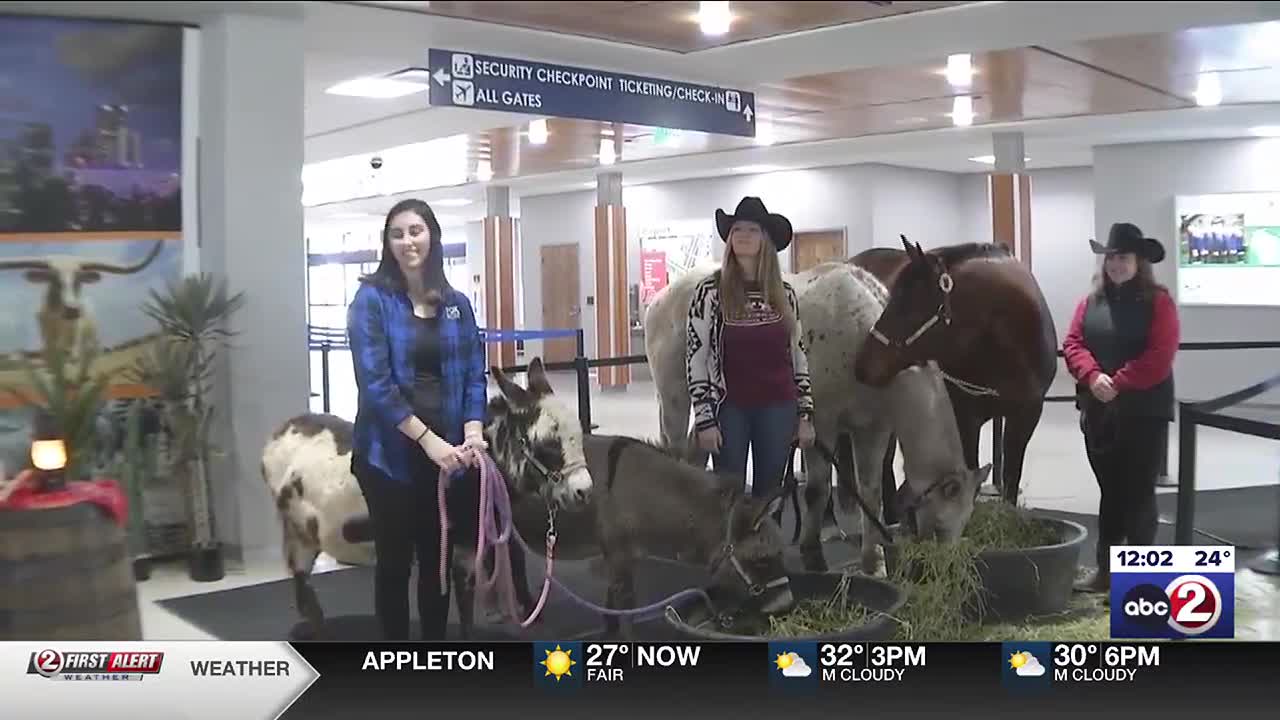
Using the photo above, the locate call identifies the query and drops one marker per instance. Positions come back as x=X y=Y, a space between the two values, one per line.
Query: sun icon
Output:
x=1017 y=660
x=784 y=661
x=558 y=663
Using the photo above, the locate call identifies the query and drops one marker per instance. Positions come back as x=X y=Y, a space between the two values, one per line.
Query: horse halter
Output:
x=728 y=551
x=943 y=314
x=552 y=477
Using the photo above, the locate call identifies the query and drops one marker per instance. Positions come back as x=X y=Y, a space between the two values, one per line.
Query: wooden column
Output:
x=1009 y=188
x=501 y=273
x=613 y=331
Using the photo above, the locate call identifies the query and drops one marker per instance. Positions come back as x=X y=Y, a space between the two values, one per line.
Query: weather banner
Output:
x=91 y=174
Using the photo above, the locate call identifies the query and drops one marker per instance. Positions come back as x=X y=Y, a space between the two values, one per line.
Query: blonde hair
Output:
x=733 y=284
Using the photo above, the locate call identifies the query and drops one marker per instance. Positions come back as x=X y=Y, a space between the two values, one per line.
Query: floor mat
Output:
x=267 y=611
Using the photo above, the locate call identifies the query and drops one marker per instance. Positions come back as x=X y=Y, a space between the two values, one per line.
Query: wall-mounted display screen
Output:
x=1228 y=250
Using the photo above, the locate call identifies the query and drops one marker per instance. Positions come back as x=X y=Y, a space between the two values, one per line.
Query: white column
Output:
x=251 y=154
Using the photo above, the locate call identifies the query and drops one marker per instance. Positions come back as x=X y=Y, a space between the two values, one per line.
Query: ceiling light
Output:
x=538 y=132
x=453 y=202
x=376 y=88
x=991 y=159
x=607 y=152
x=960 y=70
x=962 y=111
x=484 y=171
x=1266 y=130
x=714 y=17
x=1209 y=90
x=757 y=169
x=764 y=132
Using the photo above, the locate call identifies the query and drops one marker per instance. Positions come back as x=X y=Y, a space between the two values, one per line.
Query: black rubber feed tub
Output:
x=1018 y=584
x=692 y=618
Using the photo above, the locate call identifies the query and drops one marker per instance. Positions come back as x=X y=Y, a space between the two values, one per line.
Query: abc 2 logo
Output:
x=1167 y=605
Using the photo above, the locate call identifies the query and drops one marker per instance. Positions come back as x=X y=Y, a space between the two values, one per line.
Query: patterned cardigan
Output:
x=704 y=363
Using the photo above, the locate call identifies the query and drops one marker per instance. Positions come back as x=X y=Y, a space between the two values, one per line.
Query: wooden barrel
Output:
x=66 y=574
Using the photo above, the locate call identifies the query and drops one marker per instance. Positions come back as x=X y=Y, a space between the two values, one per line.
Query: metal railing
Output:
x=1190 y=414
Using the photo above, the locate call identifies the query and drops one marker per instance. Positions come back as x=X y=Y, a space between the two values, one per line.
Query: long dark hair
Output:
x=1144 y=281
x=389 y=275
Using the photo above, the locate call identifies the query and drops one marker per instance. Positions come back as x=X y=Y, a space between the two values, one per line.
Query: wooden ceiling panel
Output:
x=1246 y=58
x=1110 y=76
x=670 y=25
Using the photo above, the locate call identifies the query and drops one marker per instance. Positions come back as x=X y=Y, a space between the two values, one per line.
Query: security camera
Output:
x=375 y=162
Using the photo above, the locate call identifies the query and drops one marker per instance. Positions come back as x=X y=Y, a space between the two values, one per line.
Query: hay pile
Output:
x=938 y=578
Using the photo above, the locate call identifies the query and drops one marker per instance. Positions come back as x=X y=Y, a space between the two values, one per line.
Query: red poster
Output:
x=653 y=274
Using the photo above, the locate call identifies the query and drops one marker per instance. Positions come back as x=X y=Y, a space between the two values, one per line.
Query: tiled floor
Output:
x=1056 y=476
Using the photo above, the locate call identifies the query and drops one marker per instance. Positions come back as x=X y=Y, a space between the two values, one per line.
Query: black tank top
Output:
x=427 y=385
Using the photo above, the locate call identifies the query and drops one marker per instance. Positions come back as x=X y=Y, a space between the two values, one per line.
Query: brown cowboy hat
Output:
x=753 y=209
x=1129 y=238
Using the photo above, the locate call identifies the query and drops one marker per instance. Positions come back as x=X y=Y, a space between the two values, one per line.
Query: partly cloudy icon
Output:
x=796 y=667
x=1026 y=665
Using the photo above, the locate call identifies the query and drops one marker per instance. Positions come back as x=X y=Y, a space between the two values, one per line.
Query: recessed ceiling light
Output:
x=1209 y=90
x=1266 y=130
x=538 y=132
x=764 y=132
x=962 y=111
x=757 y=168
x=960 y=70
x=607 y=152
x=377 y=88
x=714 y=17
x=991 y=159
x=484 y=171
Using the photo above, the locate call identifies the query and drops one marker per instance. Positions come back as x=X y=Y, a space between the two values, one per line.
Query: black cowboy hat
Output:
x=1128 y=238
x=753 y=209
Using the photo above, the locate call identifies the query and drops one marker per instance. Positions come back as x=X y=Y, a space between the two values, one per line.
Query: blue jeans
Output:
x=768 y=432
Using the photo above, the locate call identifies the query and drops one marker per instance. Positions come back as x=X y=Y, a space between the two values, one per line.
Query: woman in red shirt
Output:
x=746 y=366
x=1120 y=350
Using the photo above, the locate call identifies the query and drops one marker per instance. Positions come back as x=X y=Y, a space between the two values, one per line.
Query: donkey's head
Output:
x=537 y=440
x=748 y=570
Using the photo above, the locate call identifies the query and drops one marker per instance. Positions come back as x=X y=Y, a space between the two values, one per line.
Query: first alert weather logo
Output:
x=558 y=662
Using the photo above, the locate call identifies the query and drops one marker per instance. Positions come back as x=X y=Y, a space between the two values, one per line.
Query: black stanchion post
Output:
x=324 y=374
x=1184 y=531
x=584 y=383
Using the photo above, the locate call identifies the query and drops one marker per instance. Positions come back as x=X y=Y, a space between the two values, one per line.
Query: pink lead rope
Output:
x=495 y=522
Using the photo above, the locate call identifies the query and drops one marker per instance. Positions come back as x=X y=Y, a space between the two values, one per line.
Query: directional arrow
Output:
x=441 y=76
x=746 y=111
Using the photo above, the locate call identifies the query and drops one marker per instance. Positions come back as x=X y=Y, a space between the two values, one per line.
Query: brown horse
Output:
x=979 y=313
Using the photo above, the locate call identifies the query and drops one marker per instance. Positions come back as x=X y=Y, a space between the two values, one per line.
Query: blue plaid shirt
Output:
x=380 y=330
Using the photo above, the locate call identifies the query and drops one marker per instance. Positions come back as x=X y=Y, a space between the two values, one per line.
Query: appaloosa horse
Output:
x=979 y=313
x=838 y=303
x=535 y=440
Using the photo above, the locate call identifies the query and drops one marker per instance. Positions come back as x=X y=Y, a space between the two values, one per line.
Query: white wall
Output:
x=1137 y=183
x=871 y=203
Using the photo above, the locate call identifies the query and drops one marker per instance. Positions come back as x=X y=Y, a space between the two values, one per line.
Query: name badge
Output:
x=452 y=312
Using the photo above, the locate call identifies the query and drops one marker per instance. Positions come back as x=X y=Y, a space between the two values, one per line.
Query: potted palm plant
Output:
x=68 y=398
x=193 y=315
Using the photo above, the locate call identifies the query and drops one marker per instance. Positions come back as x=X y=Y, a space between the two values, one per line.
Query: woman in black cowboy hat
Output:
x=748 y=374
x=1120 y=350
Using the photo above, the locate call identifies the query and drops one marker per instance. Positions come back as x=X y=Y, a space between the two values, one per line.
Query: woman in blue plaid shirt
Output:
x=420 y=372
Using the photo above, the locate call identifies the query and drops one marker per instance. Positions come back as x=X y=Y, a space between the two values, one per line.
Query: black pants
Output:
x=406 y=521
x=1125 y=454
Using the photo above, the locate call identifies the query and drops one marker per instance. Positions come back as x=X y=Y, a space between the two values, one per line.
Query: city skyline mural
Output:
x=90 y=125
x=90 y=195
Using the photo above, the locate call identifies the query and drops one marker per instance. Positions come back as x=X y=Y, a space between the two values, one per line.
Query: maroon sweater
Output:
x=757 y=357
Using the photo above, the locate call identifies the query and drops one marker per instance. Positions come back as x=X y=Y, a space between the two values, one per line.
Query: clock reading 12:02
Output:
x=1173 y=591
